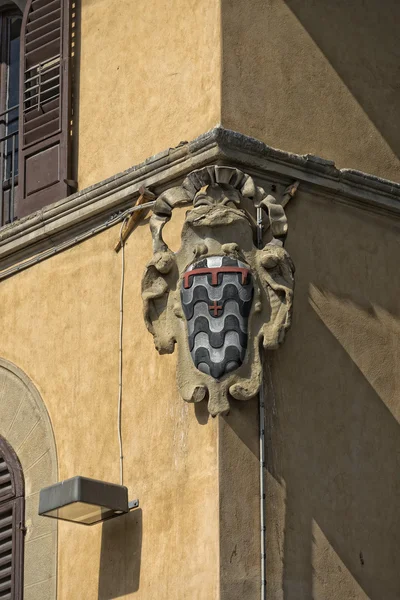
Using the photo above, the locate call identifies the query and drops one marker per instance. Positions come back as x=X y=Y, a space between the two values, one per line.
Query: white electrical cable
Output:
x=121 y=324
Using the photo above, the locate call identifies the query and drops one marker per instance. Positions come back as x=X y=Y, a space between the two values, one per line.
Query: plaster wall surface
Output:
x=239 y=492
x=332 y=422
x=63 y=319
x=148 y=77
x=316 y=77
x=333 y=433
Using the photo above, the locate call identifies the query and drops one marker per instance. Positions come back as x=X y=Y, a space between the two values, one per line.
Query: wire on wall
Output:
x=121 y=329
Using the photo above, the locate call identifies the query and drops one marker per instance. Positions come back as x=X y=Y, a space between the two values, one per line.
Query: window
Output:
x=35 y=107
x=10 y=28
x=11 y=524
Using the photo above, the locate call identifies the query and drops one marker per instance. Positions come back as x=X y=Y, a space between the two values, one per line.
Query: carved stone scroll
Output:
x=220 y=297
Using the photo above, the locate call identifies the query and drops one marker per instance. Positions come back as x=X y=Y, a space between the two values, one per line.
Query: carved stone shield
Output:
x=216 y=295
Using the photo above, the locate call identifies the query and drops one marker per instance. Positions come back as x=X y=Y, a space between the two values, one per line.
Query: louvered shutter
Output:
x=44 y=105
x=7 y=518
x=6 y=481
x=11 y=539
x=11 y=525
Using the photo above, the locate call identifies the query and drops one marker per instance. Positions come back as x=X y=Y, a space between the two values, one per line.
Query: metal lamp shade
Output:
x=83 y=500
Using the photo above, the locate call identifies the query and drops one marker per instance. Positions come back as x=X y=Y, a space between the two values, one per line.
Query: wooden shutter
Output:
x=44 y=105
x=11 y=541
x=11 y=524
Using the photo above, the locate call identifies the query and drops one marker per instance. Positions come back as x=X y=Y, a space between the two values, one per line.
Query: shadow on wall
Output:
x=334 y=412
x=121 y=547
x=318 y=77
x=360 y=40
x=333 y=419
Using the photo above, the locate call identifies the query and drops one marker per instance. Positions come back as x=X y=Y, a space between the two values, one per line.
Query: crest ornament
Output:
x=217 y=294
x=221 y=297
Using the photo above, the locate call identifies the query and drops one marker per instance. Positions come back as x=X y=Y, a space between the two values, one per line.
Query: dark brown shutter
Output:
x=6 y=481
x=11 y=540
x=6 y=550
x=44 y=105
x=11 y=524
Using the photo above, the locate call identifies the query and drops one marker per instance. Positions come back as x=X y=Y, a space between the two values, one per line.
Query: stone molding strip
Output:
x=69 y=218
x=26 y=425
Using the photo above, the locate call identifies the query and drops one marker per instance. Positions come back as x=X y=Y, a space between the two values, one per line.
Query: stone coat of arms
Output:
x=221 y=298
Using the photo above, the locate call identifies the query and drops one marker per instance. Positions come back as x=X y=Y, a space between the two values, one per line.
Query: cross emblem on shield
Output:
x=217 y=294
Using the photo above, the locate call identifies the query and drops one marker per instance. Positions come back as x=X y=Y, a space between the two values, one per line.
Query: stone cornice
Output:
x=65 y=220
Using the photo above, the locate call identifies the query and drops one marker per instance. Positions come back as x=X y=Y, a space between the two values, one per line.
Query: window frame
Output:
x=8 y=185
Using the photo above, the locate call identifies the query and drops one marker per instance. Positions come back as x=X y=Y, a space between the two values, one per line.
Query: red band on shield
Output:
x=214 y=271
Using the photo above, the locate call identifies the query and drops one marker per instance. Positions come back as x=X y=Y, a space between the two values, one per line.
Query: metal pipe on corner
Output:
x=261 y=395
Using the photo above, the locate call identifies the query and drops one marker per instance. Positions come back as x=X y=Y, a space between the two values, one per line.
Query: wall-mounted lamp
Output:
x=83 y=500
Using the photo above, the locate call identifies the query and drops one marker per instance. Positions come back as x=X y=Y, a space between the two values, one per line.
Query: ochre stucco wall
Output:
x=148 y=78
x=333 y=410
x=305 y=77
x=332 y=431
x=62 y=324
x=316 y=77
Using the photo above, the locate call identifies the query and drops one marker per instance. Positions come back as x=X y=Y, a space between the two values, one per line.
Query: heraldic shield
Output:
x=225 y=296
x=216 y=295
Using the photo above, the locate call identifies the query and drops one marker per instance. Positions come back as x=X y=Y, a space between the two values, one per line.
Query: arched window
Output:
x=11 y=524
x=10 y=30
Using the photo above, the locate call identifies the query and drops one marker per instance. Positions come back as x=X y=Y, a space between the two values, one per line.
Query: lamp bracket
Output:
x=133 y=504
